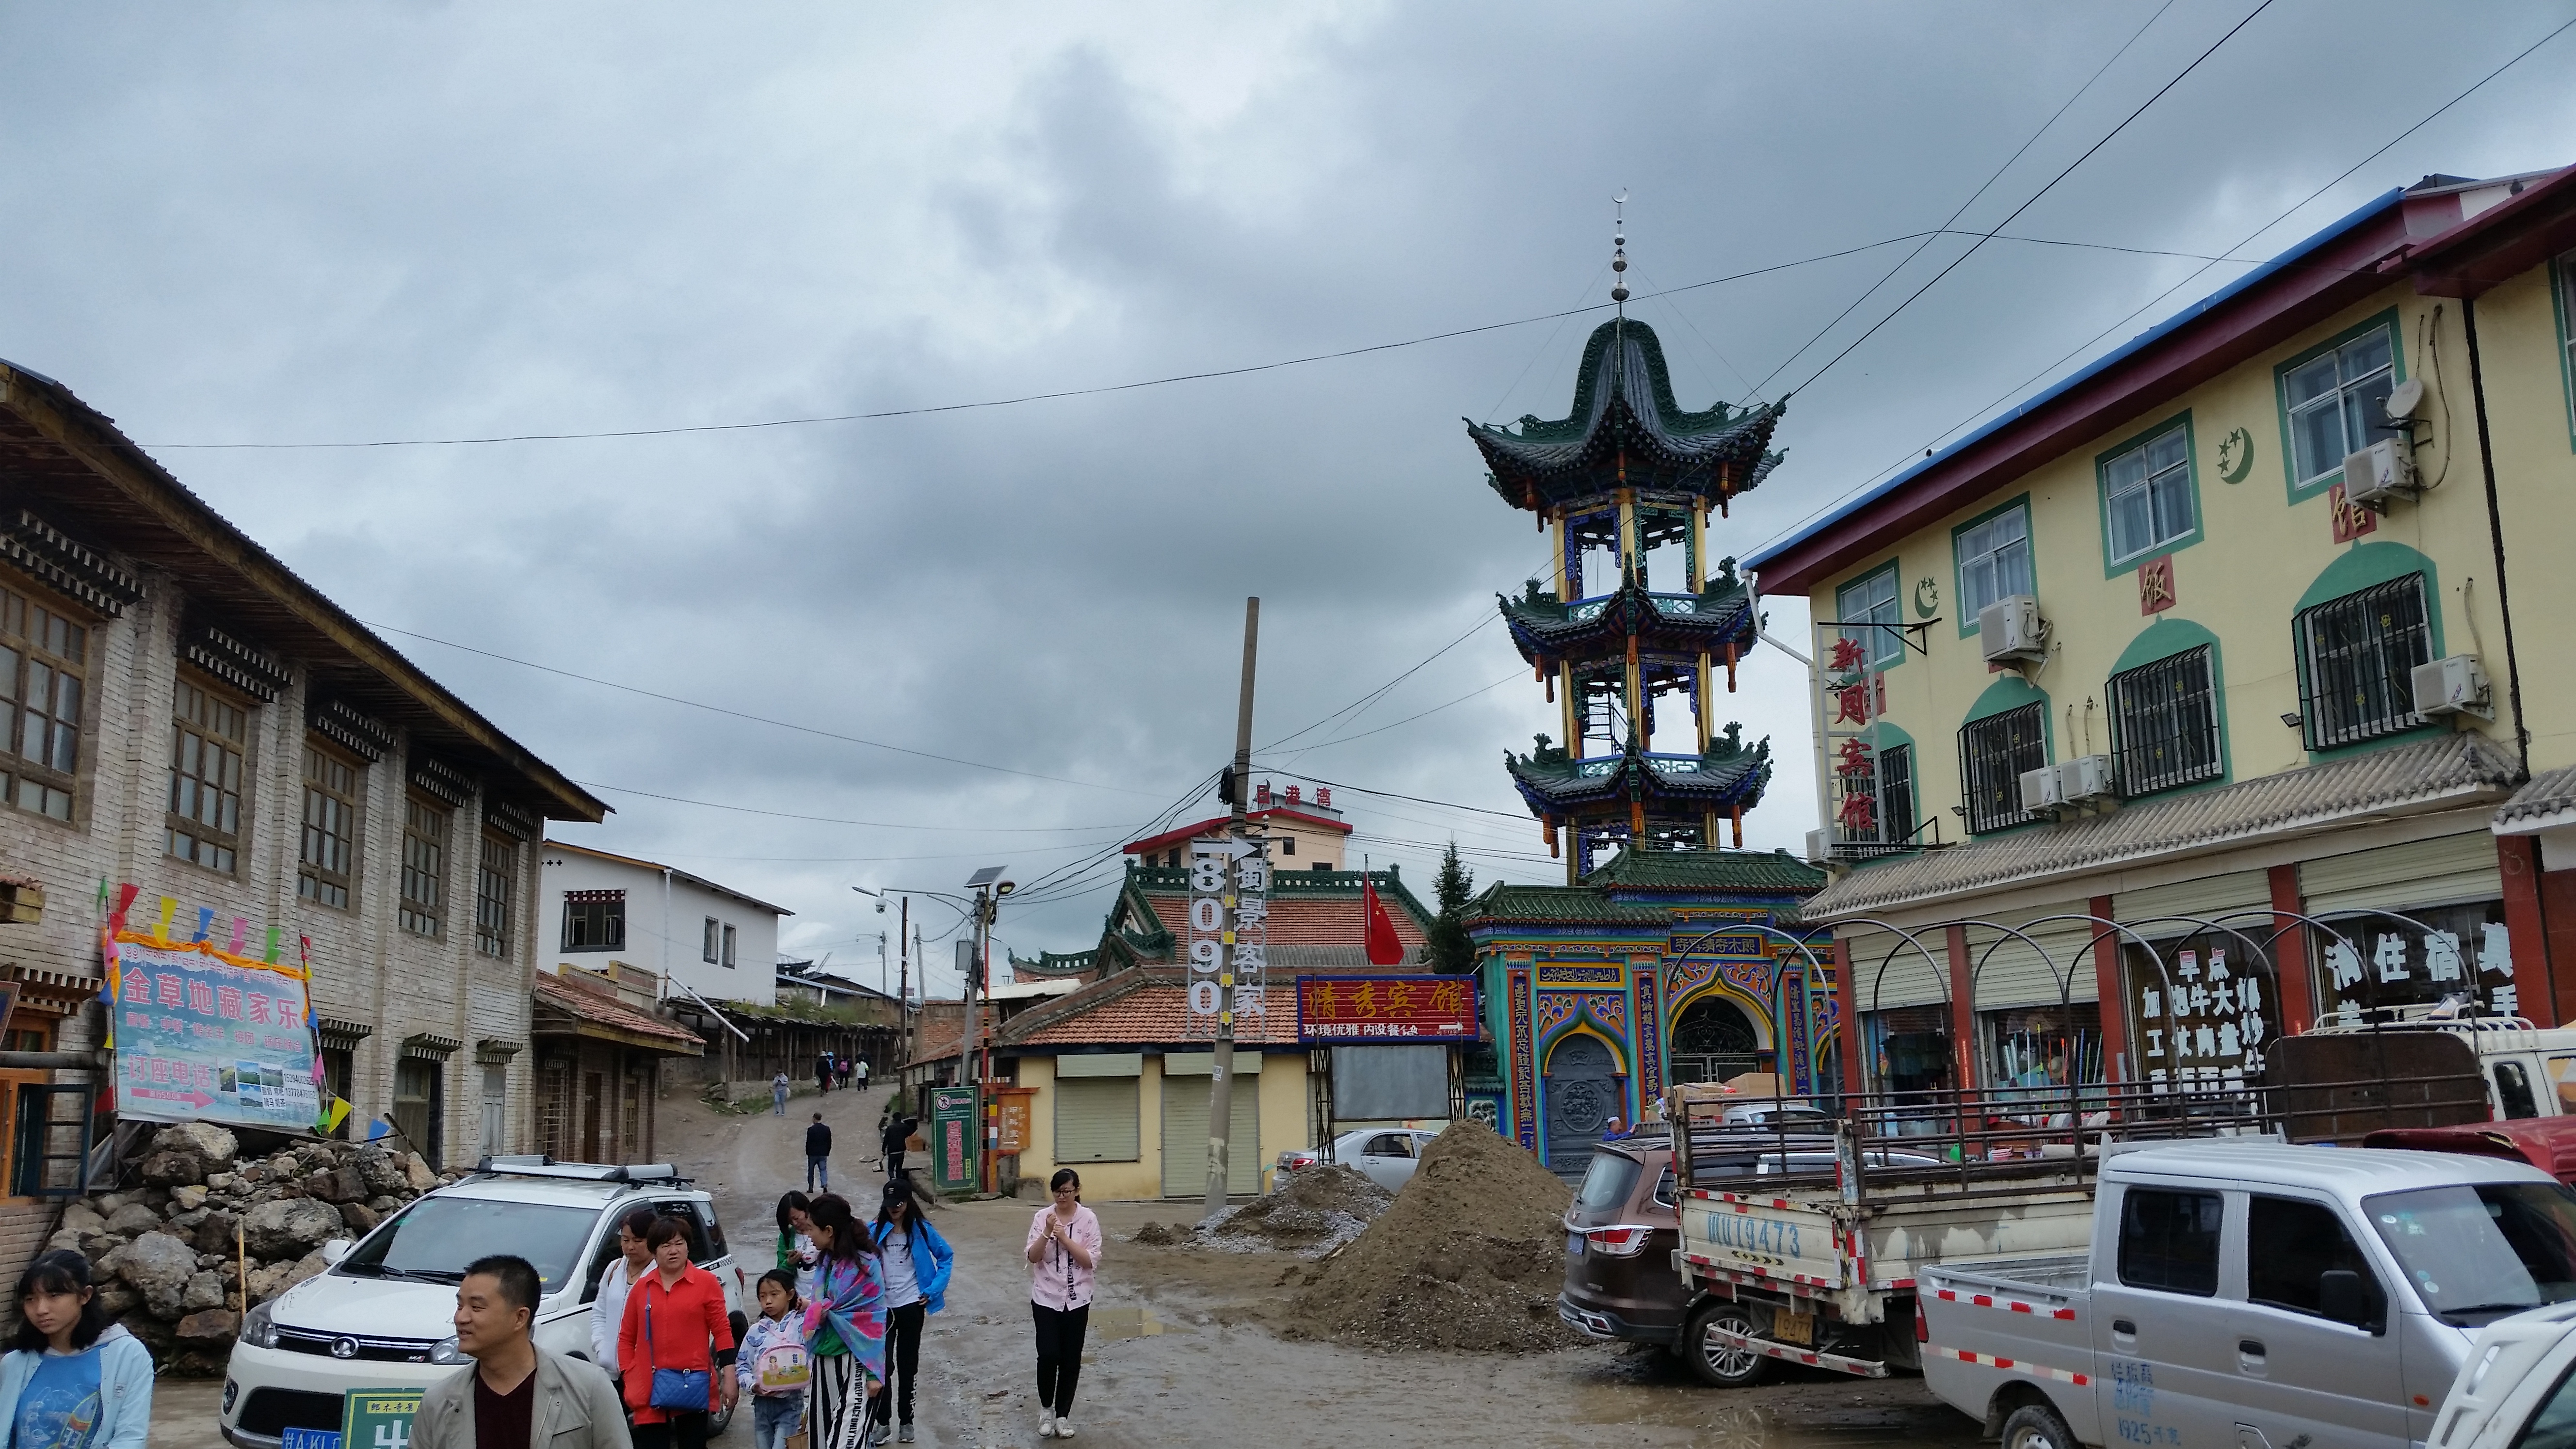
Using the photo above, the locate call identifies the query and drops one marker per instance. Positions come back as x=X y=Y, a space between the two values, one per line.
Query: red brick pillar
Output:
x=2113 y=994
x=1847 y=1013
x=2526 y=918
x=2290 y=953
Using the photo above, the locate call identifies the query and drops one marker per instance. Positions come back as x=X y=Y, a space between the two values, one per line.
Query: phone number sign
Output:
x=1386 y=1009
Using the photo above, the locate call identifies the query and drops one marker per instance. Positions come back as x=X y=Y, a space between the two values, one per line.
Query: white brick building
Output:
x=595 y=907
x=215 y=731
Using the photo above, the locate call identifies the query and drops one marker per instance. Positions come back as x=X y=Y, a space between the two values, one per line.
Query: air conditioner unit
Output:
x=2086 y=777
x=1820 y=846
x=2379 y=475
x=2456 y=685
x=2040 y=789
x=2009 y=629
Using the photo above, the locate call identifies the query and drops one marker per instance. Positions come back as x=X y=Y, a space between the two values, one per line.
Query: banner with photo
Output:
x=205 y=1035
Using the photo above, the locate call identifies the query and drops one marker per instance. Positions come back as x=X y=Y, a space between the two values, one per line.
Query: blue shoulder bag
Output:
x=680 y=1390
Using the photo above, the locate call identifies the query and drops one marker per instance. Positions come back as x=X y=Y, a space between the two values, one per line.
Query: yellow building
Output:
x=2193 y=697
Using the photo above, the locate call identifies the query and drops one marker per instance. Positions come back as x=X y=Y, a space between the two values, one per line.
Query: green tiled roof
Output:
x=1706 y=870
x=1056 y=963
x=1559 y=905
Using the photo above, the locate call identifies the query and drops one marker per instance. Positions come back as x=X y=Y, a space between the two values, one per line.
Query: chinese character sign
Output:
x=2206 y=1019
x=2420 y=959
x=206 y=1036
x=1386 y=1009
x=1229 y=935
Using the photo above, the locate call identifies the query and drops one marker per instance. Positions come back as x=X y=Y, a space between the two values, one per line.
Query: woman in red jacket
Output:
x=675 y=1319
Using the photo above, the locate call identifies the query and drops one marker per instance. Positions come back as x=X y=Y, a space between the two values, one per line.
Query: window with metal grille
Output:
x=208 y=739
x=330 y=826
x=44 y=658
x=2164 y=723
x=1890 y=786
x=493 y=871
x=2356 y=656
x=424 y=868
x=1993 y=753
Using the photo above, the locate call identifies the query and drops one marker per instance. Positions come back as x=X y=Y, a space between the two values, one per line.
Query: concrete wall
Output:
x=665 y=926
x=1284 y=1124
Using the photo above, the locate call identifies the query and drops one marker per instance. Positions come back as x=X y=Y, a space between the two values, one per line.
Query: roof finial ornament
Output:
x=1619 y=250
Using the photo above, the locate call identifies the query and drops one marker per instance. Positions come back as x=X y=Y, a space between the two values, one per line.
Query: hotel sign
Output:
x=1364 y=1009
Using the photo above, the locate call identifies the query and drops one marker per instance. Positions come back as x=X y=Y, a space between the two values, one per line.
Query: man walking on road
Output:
x=818 y=1155
x=822 y=1071
x=863 y=1074
x=893 y=1133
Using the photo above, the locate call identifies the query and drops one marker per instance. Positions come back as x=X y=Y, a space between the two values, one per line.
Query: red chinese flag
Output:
x=1383 y=947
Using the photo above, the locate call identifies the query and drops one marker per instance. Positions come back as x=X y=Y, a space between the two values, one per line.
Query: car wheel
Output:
x=1724 y=1365
x=2037 y=1426
x=716 y=1421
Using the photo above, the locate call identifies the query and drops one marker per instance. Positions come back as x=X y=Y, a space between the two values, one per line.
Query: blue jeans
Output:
x=774 y=1417
x=778 y=1101
x=818 y=1167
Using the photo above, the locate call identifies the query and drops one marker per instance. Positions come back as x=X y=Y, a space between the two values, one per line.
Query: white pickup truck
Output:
x=2251 y=1293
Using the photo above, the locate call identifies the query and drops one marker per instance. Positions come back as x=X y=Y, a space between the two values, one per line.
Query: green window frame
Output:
x=1874 y=598
x=2355 y=397
x=2151 y=484
x=1983 y=547
x=2562 y=297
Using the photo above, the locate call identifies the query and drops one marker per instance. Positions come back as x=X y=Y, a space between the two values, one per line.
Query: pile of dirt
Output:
x=1471 y=1255
x=1315 y=1210
x=1155 y=1235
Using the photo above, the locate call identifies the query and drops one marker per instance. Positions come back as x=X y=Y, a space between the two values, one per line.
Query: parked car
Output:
x=1387 y=1155
x=381 y=1316
x=1624 y=1226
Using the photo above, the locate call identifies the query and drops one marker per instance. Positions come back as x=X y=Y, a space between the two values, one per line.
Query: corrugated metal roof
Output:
x=2403 y=779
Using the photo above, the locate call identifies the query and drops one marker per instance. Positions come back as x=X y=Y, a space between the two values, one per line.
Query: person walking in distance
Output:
x=517 y=1395
x=822 y=1071
x=676 y=1345
x=1064 y=1254
x=796 y=1253
x=892 y=1134
x=863 y=1073
x=818 y=1155
x=608 y=1310
x=917 y=1260
x=778 y=1094
x=845 y=1324
x=776 y=1367
x=72 y=1379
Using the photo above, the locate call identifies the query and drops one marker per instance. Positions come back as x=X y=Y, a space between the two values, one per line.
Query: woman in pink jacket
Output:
x=1064 y=1252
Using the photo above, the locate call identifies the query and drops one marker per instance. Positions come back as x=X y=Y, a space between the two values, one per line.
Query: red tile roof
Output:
x=1299 y=922
x=1159 y=1014
x=1216 y=825
x=590 y=1004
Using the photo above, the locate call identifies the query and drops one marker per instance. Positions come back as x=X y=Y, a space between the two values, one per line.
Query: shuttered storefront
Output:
x=1908 y=978
x=2209 y=898
x=1185 y=1125
x=2404 y=877
x=1096 y=1105
x=2010 y=973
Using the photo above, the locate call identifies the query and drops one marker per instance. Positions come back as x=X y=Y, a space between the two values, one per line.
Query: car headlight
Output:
x=259 y=1327
x=446 y=1351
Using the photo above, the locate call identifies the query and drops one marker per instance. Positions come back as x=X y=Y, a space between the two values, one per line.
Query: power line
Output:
x=2089 y=151
x=1408 y=719
x=1005 y=402
x=838 y=820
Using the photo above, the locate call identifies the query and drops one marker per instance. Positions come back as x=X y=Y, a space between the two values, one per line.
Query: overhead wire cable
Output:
x=840 y=820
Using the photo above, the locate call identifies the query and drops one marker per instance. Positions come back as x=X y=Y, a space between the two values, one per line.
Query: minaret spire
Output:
x=1619 y=252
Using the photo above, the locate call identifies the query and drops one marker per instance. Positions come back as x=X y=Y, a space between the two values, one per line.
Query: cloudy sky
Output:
x=312 y=223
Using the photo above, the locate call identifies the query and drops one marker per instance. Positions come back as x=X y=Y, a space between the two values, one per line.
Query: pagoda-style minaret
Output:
x=1627 y=473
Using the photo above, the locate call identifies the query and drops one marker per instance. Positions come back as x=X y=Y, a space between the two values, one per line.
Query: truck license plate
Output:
x=1797 y=1328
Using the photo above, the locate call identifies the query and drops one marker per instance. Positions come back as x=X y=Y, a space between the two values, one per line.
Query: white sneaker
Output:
x=1046 y=1426
x=1064 y=1428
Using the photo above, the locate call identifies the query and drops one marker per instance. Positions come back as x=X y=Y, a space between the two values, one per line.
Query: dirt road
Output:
x=1179 y=1354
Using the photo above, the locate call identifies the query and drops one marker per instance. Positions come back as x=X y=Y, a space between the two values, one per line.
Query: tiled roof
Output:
x=585 y=1004
x=1153 y=1010
x=2546 y=803
x=2454 y=770
x=1705 y=870
x=1502 y=904
x=1216 y=825
x=938 y=1039
x=1296 y=921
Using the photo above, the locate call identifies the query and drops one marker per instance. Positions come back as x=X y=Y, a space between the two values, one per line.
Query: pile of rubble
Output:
x=168 y=1255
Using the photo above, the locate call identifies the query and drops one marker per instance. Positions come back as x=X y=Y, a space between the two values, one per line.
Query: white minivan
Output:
x=382 y=1316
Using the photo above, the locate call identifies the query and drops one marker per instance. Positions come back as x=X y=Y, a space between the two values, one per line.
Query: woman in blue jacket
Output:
x=72 y=1380
x=916 y=1262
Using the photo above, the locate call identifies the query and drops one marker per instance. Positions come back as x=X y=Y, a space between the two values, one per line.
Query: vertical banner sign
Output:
x=1852 y=695
x=203 y=1035
x=1229 y=948
x=952 y=1139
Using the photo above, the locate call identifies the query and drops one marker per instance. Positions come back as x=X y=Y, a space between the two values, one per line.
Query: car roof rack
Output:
x=537 y=1164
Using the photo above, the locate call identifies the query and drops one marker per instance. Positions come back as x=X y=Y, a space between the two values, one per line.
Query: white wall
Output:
x=665 y=925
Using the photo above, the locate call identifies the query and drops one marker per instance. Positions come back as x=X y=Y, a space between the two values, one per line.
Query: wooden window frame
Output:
x=29 y=642
x=495 y=894
x=574 y=900
x=415 y=912
x=187 y=834
x=315 y=879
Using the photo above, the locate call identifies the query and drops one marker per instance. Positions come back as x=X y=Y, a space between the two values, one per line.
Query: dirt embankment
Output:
x=1470 y=1255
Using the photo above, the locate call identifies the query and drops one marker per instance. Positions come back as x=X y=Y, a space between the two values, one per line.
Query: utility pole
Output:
x=1221 y=1070
x=903 y=980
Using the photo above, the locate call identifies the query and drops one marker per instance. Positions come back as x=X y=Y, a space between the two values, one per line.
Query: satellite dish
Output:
x=2406 y=402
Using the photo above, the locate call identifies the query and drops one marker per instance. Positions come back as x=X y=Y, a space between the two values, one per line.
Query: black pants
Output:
x=894 y=1166
x=678 y=1431
x=903 y=1359
x=1059 y=1355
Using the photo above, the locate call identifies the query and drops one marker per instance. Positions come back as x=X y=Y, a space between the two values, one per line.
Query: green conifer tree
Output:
x=1451 y=951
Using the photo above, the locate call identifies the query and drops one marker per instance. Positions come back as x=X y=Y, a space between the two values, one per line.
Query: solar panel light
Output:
x=991 y=877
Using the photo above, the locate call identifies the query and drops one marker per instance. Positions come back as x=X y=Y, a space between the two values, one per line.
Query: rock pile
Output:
x=1470 y=1256
x=1312 y=1212
x=167 y=1255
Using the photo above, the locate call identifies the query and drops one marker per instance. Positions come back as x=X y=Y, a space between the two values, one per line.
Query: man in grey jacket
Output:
x=517 y=1396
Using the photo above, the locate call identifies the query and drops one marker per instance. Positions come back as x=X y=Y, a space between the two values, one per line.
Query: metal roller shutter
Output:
x=1095 y=1119
x=2208 y=898
x=2404 y=877
x=2013 y=974
x=1185 y=1137
x=1908 y=980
